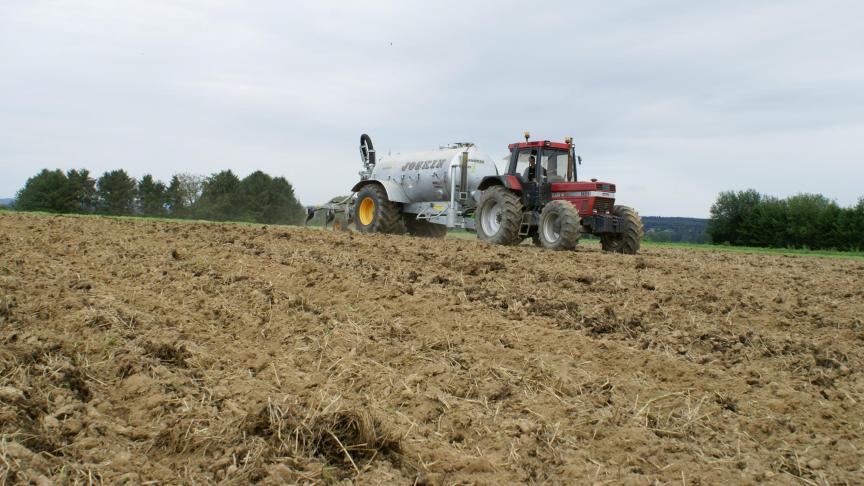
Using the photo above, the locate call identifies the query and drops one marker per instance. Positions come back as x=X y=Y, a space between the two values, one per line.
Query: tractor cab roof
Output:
x=539 y=143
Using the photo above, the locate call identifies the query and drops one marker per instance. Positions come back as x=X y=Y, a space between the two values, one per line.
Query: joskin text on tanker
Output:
x=432 y=164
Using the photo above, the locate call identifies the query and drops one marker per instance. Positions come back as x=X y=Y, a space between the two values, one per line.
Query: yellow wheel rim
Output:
x=367 y=211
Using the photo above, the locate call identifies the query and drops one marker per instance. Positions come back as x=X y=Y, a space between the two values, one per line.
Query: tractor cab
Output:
x=553 y=158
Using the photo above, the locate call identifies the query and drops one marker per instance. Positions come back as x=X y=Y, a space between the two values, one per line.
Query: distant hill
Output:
x=6 y=202
x=686 y=230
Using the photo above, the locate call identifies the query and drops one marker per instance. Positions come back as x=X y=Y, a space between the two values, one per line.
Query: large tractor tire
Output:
x=375 y=213
x=499 y=215
x=560 y=226
x=422 y=228
x=630 y=239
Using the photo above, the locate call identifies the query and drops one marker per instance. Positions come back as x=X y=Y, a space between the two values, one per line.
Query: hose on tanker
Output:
x=367 y=152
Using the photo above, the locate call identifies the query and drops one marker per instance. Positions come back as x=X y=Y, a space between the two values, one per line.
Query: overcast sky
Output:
x=672 y=100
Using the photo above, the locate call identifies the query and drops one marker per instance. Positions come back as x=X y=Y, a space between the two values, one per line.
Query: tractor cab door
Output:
x=520 y=159
x=536 y=189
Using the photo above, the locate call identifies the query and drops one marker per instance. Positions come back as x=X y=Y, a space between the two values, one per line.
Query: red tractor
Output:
x=539 y=197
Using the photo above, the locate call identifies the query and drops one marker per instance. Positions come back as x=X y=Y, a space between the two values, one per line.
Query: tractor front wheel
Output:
x=560 y=226
x=499 y=215
x=630 y=238
x=375 y=213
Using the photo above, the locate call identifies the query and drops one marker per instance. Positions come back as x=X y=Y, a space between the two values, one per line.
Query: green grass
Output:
x=755 y=249
x=855 y=255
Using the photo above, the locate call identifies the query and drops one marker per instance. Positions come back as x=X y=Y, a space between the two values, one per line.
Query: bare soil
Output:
x=137 y=351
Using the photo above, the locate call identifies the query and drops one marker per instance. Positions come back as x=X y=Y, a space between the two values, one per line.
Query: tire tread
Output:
x=630 y=239
x=388 y=216
x=571 y=227
x=511 y=216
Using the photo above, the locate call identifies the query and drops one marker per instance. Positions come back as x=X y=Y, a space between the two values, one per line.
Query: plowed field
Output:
x=136 y=351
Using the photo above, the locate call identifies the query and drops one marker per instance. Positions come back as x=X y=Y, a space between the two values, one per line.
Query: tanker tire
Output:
x=424 y=229
x=383 y=216
x=505 y=208
x=560 y=226
x=630 y=239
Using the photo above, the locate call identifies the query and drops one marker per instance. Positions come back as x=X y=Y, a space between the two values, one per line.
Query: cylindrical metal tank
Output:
x=425 y=176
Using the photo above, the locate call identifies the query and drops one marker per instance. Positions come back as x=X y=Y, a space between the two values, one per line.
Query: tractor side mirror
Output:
x=579 y=159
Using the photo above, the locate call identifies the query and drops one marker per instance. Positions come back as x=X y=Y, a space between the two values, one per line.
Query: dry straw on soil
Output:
x=136 y=351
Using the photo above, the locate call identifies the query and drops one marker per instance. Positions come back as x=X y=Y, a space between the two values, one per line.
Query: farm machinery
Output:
x=538 y=196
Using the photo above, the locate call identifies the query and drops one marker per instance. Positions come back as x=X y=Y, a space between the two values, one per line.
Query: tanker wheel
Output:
x=560 y=226
x=419 y=227
x=499 y=215
x=374 y=213
x=630 y=238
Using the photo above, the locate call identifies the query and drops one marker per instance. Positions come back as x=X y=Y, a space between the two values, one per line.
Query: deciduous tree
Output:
x=82 y=188
x=46 y=191
x=220 y=199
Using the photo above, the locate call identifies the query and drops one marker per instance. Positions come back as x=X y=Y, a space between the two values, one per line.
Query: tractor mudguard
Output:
x=394 y=191
x=509 y=181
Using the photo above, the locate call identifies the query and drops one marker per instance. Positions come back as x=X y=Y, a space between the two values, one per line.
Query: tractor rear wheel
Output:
x=560 y=226
x=499 y=216
x=375 y=213
x=422 y=228
x=630 y=238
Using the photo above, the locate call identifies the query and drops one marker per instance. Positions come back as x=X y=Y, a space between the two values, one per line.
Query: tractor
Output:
x=540 y=197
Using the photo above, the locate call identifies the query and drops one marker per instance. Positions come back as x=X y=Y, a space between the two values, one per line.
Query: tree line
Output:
x=258 y=198
x=665 y=229
x=811 y=221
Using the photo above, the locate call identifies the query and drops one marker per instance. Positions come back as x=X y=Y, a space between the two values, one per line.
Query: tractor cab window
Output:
x=552 y=162
x=522 y=161
x=555 y=163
